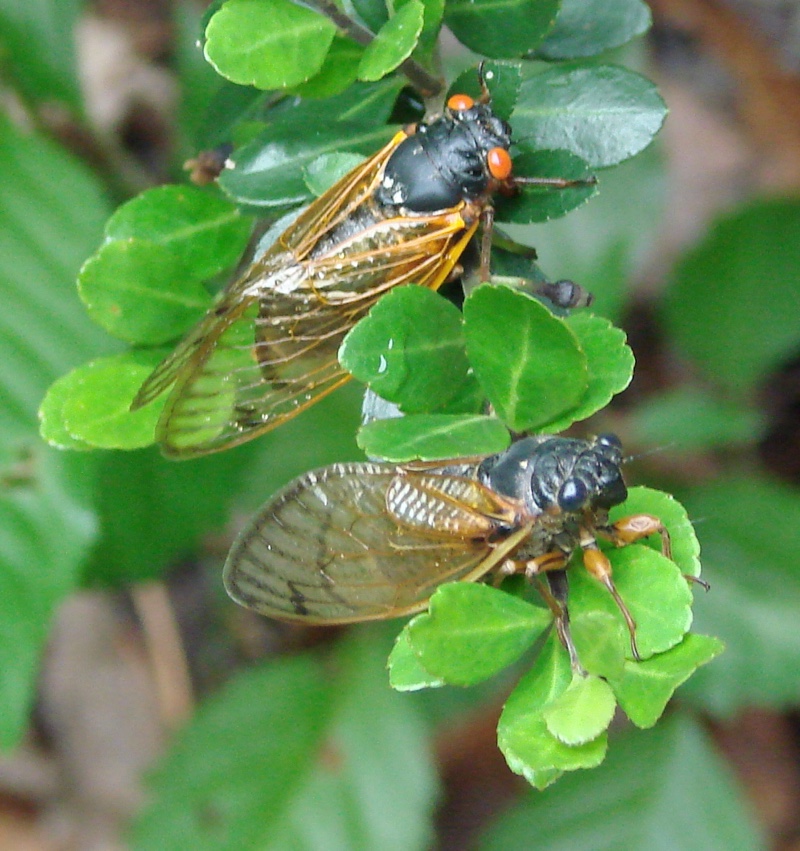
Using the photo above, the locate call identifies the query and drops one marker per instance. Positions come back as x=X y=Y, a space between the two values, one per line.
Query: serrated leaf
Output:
x=97 y=408
x=582 y=711
x=206 y=233
x=542 y=203
x=471 y=632
x=501 y=30
x=393 y=43
x=602 y=113
x=140 y=292
x=710 y=309
x=527 y=360
x=644 y=688
x=268 y=171
x=587 y=27
x=621 y=805
x=269 y=44
x=609 y=362
x=522 y=735
x=406 y=672
x=409 y=349
x=428 y=437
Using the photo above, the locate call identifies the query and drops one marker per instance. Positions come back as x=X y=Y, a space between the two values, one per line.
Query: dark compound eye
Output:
x=573 y=495
x=609 y=440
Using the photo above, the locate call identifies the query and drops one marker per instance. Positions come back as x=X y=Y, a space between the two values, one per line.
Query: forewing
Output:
x=327 y=550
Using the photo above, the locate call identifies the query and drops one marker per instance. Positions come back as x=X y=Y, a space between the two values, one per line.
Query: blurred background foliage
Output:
x=140 y=708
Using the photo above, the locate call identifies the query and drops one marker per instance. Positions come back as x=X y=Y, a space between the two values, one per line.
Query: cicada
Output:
x=365 y=541
x=268 y=347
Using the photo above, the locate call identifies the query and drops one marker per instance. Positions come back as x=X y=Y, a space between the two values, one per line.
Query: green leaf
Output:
x=644 y=688
x=527 y=360
x=393 y=43
x=500 y=30
x=602 y=113
x=269 y=44
x=471 y=632
x=644 y=796
x=406 y=672
x=750 y=529
x=409 y=349
x=428 y=437
x=602 y=642
x=651 y=586
x=338 y=71
x=582 y=711
x=98 y=395
x=588 y=27
x=522 y=734
x=609 y=362
x=542 y=203
x=268 y=172
x=685 y=546
x=37 y=43
x=503 y=80
x=234 y=769
x=731 y=307
x=324 y=171
x=204 y=232
x=51 y=216
x=139 y=291
x=372 y=12
x=688 y=419
x=51 y=415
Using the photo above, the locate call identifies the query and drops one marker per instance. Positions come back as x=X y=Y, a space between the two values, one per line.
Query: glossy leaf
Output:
x=268 y=172
x=523 y=735
x=502 y=78
x=269 y=44
x=588 y=27
x=644 y=796
x=501 y=30
x=338 y=71
x=472 y=632
x=428 y=437
x=542 y=203
x=602 y=113
x=528 y=361
x=644 y=688
x=96 y=409
x=406 y=672
x=732 y=306
x=204 y=232
x=393 y=43
x=372 y=12
x=609 y=362
x=139 y=291
x=582 y=711
x=409 y=349
x=324 y=171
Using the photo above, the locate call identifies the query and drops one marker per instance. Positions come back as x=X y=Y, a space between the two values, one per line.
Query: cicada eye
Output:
x=459 y=103
x=573 y=495
x=499 y=162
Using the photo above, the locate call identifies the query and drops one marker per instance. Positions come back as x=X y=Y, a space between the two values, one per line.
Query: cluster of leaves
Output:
x=73 y=518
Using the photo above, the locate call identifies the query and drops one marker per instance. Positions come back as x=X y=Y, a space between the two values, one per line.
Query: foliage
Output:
x=311 y=755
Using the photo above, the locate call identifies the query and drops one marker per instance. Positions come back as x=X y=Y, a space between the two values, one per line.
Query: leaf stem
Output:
x=423 y=80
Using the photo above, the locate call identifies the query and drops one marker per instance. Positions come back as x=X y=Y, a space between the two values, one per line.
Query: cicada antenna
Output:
x=486 y=95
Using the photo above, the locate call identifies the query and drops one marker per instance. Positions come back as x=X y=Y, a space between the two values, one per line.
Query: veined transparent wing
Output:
x=332 y=547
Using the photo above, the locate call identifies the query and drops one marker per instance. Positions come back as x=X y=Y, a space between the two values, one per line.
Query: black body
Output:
x=444 y=162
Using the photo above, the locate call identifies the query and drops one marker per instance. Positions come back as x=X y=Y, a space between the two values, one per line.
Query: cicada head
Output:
x=560 y=474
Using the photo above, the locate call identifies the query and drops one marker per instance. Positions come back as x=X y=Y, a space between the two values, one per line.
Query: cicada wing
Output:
x=328 y=549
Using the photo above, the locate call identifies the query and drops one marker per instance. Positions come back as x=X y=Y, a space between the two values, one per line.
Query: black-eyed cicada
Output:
x=268 y=348
x=364 y=541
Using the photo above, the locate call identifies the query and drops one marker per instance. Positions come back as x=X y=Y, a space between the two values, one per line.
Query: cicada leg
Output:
x=598 y=565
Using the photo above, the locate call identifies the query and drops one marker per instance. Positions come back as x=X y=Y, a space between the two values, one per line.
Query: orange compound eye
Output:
x=458 y=103
x=499 y=162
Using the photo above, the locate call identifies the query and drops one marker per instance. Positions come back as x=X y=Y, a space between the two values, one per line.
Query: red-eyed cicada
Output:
x=365 y=541
x=268 y=348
